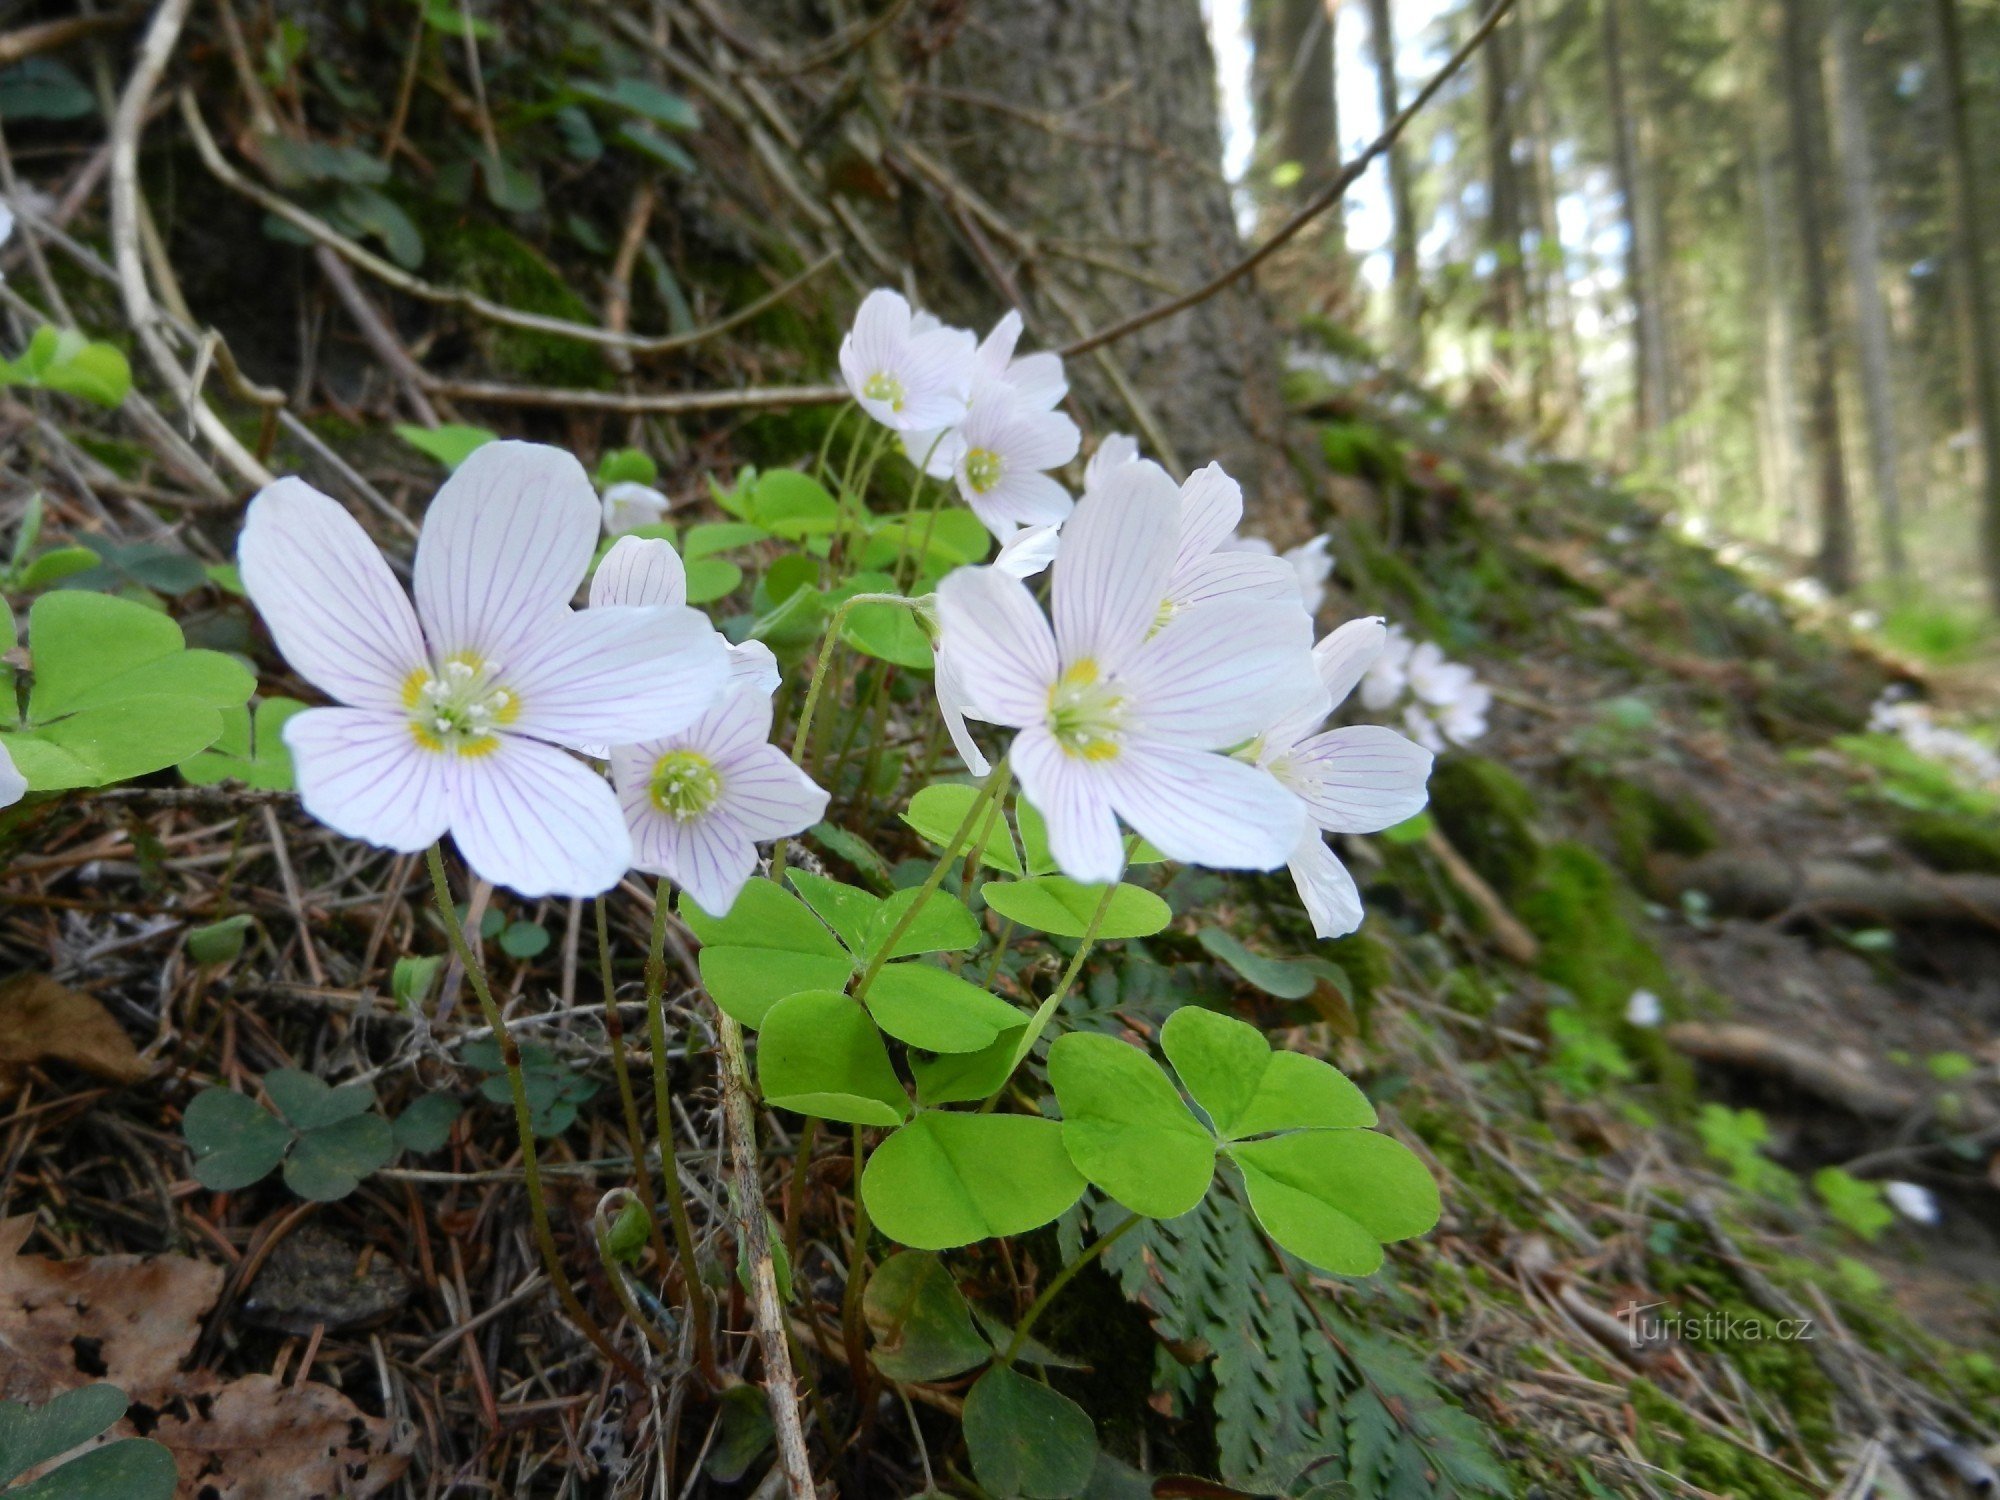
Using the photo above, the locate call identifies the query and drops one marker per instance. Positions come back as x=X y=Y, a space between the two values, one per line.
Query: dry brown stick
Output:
x=126 y=125
x=1509 y=935
x=1801 y=1064
x=27 y=41
x=379 y=335
x=1757 y=885
x=661 y=403
x=1330 y=195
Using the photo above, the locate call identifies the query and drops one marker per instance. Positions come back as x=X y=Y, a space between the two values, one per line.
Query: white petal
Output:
x=538 y=821
x=1348 y=653
x=1002 y=652
x=1038 y=380
x=1331 y=898
x=13 y=785
x=881 y=330
x=710 y=858
x=332 y=605
x=1360 y=779
x=752 y=665
x=505 y=545
x=615 y=674
x=363 y=773
x=767 y=796
x=640 y=570
x=1217 y=674
x=996 y=350
x=1117 y=450
x=1205 y=809
x=952 y=706
x=739 y=720
x=1313 y=563
x=1234 y=575
x=1021 y=499
x=1074 y=799
x=1211 y=507
x=629 y=505
x=1042 y=439
x=1112 y=575
x=1028 y=551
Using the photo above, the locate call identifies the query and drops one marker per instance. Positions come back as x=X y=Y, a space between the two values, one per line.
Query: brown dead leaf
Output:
x=42 y=1021
x=132 y=1320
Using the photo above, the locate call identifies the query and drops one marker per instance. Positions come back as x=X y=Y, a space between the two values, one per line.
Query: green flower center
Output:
x=882 y=386
x=982 y=469
x=457 y=709
x=684 y=784
x=1086 y=718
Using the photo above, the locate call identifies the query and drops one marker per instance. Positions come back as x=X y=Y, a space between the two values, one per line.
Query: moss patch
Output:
x=1488 y=815
x=497 y=263
x=1951 y=842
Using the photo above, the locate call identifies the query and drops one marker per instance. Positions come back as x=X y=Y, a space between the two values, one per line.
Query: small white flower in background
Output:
x=1387 y=677
x=628 y=505
x=1864 y=620
x=1311 y=562
x=700 y=801
x=1807 y=593
x=908 y=378
x=1621 y=535
x=1035 y=382
x=1913 y=723
x=458 y=716
x=1644 y=1009
x=13 y=785
x=1001 y=454
x=1358 y=779
x=1913 y=1201
x=1444 y=703
x=1118 y=716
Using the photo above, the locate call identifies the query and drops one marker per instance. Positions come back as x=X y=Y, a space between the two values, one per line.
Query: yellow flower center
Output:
x=457 y=709
x=882 y=386
x=684 y=784
x=1086 y=717
x=982 y=469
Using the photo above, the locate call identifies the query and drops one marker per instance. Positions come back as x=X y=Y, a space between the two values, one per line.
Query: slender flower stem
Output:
x=826 y=443
x=1057 y=1282
x=1046 y=1011
x=857 y=1280
x=656 y=1035
x=531 y=1171
x=614 y=1027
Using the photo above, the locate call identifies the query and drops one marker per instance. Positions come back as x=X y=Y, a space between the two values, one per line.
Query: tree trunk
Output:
x=1092 y=130
x=1835 y=562
x=1298 y=147
x=1408 y=288
x=1556 y=308
x=1970 y=243
x=1503 y=185
x=1864 y=265
x=1649 y=338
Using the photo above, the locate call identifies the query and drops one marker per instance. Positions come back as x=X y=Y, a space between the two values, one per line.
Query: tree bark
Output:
x=1092 y=129
x=1864 y=266
x=1970 y=244
x=1298 y=147
x=1649 y=337
x=1835 y=562
x=1503 y=184
x=1404 y=271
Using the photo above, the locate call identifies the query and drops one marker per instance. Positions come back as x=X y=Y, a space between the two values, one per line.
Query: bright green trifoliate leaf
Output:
x=934 y=1009
x=792 y=505
x=310 y=1104
x=31 y=1435
x=1126 y=1128
x=922 y=1324
x=943 y=924
x=328 y=1162
x=721 y=536
x=966 y=1077
x=769 y=946
x=945 y=1180
x=1026 y=1439
x=711 y=578
x=888 y=632
x=626 y=466
x=1335 y=1197
x=451 y=444
x=1057 y=904
x=53 y=566
x=1248 y=1089
x=235 y=1140
x=936 y=813
x=847 y=909
x=819 y=1054
x=251 y=749
x=941 y=540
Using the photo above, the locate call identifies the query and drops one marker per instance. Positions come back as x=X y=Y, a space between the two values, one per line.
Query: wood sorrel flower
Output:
x=628 y=505
x=13 y=785
x=453 y=714
x=1119 y=716
x=910 y=379
x=1002 y=452
x=1034 y=382
x=1359 y=779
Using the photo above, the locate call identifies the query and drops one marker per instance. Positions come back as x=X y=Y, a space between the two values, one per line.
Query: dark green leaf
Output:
x=235 y=1140
x=922 y=1325
x=330 y=1162
x=426 y=1125
x=1026 y=1439
x=308 y=1104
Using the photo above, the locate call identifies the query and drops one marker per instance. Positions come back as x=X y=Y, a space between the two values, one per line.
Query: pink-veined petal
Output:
x=13 y=785
x=504 y=546
x=363 y=773
x=1360 y=779
x=767 y=796
x=996 y=350
x=1234 y=575
x=710 y=858
x=1003 y=656
x=616 y=674
x=640 y=570
x=752 y=665
x=1344 y=656
x=1112 y=575
x=1042 y=439
x=1074 y=799
x=1218 y=674
x=737 y=721
x=952 y=704
x=538 y=821
x=1332 y=900
x=1211 y=507
x=1022 y=498
x=1205 y=809
x=1038 y=380
x=333 y=607
x=881 y=329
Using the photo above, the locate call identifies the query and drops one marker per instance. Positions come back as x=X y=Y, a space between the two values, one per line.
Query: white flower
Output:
x=648 y=571
x=906 y=378
x=452 y=713
x=1117 y=449
x=1205 y=570
x=1388 y=675
x=1117 y=718
x=1001 y=454
x=1312 y=562
x=1035 y=381
x=1359 y=779
x=6 y=222
x=1914 y=1202
x=1028 y=551
x=1807 y=593
x=700 y=801
x=1644 y=1010
x=628 y=505
x=13 y=785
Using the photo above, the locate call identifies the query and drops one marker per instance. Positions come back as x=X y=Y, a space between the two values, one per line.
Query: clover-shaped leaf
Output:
x=963 y=1077
x=945 y=1180
x=329 y=1161
x=128 y=1469
x=922 y=1324
x=426 y=1125
x=847 y=909
x=251 y=748
x=937 y=812
x=1027 y=1439
x=235 y=1140
x=770 y=945
x=1335 y=1197
x=310 y=1104
x=1248 y=1089
x=1126 y=1128
x=931 y=1008
x=819 y=1054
